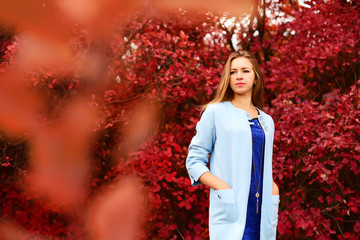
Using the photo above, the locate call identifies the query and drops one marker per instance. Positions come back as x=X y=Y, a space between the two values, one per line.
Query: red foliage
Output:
x=145 y=88
x=316 y=109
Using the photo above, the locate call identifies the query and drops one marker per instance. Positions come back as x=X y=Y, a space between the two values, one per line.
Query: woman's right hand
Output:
x=275 y=189
x=214 y=182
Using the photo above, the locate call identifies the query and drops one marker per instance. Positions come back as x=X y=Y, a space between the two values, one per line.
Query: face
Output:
x=242 y=76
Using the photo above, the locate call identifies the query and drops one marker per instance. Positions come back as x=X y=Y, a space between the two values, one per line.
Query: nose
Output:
x=239 y=75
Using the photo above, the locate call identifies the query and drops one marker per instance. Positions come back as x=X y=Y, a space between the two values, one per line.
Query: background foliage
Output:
x=173 y=60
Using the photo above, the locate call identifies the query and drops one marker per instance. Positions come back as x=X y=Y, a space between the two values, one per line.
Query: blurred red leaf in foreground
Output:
x=18 y=106
x=59 y=164
x=36 y=16
x=117 y=213
x=141 y=124
x=10 y=231
x=37 y=51
x=232 y=7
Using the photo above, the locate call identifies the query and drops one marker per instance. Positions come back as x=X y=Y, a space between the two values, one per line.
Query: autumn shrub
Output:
x=174 y=62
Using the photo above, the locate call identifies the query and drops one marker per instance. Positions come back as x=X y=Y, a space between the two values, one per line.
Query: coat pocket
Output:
x=275 y=210
x=223 y=206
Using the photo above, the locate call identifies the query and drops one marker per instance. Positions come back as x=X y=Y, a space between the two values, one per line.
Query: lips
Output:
x=240 y=84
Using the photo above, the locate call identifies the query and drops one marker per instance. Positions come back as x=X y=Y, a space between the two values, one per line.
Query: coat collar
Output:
x=261 y=116
x=261 y=113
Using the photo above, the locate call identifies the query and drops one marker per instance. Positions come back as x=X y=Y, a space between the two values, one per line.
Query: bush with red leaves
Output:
x=311 y=67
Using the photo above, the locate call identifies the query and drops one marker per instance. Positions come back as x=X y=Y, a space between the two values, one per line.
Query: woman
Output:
x=239 y=136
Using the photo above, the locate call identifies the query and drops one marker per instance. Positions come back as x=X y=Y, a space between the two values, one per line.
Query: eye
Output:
x=246 y=71
x=232 y=72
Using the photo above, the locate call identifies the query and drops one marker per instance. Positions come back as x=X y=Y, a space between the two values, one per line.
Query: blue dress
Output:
x=252 y=227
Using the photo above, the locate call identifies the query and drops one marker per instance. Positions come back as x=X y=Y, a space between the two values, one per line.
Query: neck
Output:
x=243 y=102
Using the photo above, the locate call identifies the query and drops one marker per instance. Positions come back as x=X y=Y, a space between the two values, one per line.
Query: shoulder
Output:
x=216 y=107
x=214 y=111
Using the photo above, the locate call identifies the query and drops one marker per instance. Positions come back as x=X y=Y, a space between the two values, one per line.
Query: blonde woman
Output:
x=239 y=137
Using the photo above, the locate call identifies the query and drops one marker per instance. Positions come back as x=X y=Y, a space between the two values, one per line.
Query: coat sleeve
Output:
x=200 y=147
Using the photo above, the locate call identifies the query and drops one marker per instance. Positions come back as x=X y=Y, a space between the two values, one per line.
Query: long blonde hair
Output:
x=225 y=93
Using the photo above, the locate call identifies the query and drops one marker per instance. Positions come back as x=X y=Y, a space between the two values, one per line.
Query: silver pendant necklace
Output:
x=257 y=184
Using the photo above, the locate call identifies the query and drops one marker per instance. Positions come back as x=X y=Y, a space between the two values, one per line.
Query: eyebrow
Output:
x=240 y=68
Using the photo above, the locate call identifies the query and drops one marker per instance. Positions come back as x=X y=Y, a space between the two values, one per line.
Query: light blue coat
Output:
x=224 y=132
